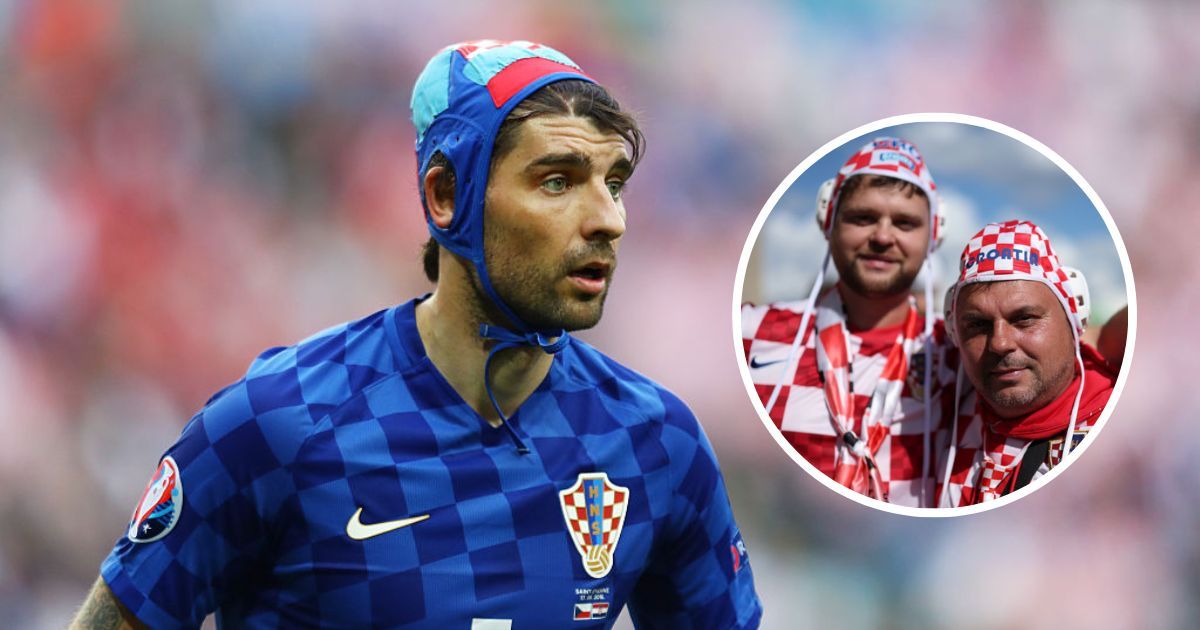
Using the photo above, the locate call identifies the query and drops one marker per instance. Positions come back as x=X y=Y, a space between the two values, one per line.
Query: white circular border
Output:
x=833 y=145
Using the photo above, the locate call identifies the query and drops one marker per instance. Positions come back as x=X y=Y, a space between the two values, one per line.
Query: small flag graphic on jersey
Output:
x=158 y=511
x=594 y=509
x=584 y=612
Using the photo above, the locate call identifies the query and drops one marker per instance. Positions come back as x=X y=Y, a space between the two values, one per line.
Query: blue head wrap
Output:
x=459 y=102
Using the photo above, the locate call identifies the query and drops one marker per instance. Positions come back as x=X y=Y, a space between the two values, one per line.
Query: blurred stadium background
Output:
x=184 y=184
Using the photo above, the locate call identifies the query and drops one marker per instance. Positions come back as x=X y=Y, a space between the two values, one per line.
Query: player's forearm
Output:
x=102 y=611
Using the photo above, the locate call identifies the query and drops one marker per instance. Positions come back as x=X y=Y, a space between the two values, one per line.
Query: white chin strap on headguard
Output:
x=1017 y=250
x=898 y=159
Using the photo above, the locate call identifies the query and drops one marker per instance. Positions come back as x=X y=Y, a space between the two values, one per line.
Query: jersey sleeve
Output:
x=204 y=522
x=752 y=317
x=700 y=575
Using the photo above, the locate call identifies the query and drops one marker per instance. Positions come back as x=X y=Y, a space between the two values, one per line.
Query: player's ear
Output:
x=438 y=185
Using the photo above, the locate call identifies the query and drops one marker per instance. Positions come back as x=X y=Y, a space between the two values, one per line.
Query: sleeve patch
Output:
x=740 y=556
x=161 y=503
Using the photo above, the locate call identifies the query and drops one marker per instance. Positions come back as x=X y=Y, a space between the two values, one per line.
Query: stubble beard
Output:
x=898 y=282
x=1014 y=398
x=530 y=293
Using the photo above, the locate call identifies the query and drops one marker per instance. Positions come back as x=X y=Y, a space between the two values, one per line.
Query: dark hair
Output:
x=572 y=97
x=851 y=185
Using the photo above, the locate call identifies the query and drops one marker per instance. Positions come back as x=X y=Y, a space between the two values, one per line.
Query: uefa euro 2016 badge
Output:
x=594 y=509
x=161 y=503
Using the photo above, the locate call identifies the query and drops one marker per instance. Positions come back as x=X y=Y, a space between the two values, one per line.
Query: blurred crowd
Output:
x=184 y=184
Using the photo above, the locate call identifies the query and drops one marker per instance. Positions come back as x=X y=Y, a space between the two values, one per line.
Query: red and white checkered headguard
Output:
x=1014 y=250
x=889 y=157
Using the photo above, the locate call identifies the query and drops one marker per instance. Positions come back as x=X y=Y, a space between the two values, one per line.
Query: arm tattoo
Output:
x=102 y=611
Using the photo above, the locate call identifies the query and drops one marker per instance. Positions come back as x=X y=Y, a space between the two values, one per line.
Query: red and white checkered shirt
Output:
x=801 y=413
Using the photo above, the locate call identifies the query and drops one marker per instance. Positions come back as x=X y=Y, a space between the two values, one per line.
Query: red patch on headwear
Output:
x=521 y=73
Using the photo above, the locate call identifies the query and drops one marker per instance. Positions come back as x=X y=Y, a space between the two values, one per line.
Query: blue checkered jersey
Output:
x=343 y=483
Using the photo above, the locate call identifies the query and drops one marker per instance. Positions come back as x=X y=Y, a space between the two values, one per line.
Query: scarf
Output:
x=1053 y=419
x=856 y=467
x=1005 y=441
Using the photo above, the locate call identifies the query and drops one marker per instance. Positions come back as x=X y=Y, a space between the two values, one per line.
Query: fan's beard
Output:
x=1040 y=386
x=895 y=283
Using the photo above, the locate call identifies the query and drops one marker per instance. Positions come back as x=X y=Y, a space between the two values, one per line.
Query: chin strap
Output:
x=797 y=350
x=926 y=480
x=944 y=500
x=550 y=344
x=1069 y=439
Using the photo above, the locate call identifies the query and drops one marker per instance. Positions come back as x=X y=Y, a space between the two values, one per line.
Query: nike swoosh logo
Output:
x=358 y=530
x=755 y=364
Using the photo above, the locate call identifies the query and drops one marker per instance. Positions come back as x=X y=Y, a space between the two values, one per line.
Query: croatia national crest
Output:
x=594 y=509
x=161 y=503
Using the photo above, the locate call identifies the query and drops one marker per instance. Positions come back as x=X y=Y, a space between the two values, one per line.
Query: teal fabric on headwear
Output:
x=459 y=102
x=431 y=96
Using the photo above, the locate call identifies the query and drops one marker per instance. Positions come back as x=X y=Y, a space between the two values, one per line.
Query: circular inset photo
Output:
x=931 y=314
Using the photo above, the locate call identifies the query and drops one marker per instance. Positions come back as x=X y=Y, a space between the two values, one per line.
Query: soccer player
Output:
x=458 y=461
x=1016 y=317
x=846 y=375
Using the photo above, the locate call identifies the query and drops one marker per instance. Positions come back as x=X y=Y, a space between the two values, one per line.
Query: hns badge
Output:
x=158 y=511
x=594 y=509
x=916 y=375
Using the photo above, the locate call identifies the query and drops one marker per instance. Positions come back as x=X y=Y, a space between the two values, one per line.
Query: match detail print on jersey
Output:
x=162 y=501
x=359 y=530
x=594 y=509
